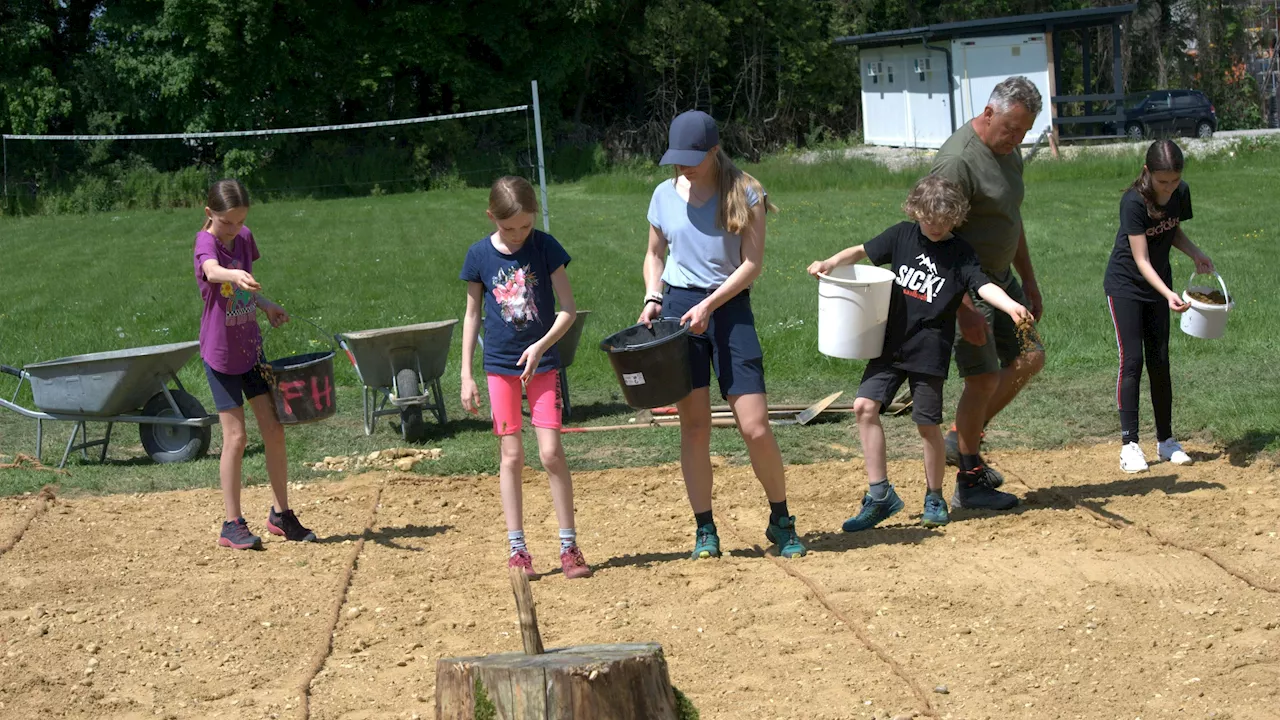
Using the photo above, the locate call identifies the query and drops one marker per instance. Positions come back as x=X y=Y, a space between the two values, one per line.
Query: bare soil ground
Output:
x=1103 y=595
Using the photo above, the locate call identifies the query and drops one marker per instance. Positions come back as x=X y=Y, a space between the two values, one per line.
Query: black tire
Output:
x=412 y=429
x=1204 y=130
x=174 y=443
x=1134 y=132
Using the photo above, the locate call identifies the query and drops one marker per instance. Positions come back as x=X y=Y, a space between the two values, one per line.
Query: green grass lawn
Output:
x=91 y=283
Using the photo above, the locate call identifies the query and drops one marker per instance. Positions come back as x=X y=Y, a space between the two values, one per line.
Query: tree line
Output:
x=611 y=74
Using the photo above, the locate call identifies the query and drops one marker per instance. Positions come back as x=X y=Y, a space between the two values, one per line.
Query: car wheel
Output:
x=1204 y=130
x=1134 y=132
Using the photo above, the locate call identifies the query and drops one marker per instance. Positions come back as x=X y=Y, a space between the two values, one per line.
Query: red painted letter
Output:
x=318 y=394
x=291 y=390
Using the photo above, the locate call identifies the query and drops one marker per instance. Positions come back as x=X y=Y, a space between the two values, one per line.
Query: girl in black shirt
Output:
x=1138 y=281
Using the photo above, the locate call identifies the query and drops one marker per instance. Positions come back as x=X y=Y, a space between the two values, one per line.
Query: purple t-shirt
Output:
x=230 y=340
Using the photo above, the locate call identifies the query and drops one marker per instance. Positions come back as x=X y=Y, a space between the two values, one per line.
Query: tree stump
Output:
x=620 y=682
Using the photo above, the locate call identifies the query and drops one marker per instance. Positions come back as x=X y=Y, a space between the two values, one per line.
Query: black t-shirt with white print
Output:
x=931 y=279
x=1123 y=279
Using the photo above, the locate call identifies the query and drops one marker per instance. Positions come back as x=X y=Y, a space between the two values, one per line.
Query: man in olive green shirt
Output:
x=983 y=159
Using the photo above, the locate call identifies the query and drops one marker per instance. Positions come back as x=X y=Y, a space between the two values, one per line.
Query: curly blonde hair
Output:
x=936 y=200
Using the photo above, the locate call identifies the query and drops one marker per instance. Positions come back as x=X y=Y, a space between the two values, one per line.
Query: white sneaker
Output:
x=1132 y=460
x=1171 y=451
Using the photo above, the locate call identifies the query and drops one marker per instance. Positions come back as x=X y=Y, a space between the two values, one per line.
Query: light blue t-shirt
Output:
x=700 y=255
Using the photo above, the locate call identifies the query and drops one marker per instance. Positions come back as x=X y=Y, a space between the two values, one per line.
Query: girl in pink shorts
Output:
x=518 y=274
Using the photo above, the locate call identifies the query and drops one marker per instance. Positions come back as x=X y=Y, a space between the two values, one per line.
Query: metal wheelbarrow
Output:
x=122 y=386
x=401 y=366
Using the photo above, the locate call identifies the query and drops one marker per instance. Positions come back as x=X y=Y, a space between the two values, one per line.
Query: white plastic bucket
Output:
x=1204 y=320
x=853 y=310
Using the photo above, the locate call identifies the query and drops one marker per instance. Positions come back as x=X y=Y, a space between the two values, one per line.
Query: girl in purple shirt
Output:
x=231 y=347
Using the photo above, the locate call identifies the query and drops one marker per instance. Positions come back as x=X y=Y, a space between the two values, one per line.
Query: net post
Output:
x=542 y=167
x=4 y=139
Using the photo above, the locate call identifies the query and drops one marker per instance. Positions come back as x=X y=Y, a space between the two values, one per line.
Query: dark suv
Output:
x=1162 y=113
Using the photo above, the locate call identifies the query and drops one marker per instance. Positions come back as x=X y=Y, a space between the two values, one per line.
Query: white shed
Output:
x=920 y=84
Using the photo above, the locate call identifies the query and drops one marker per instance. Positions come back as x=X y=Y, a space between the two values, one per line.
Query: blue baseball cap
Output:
x=692 y=136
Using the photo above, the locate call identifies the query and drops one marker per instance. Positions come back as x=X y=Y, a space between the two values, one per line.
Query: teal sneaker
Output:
x=874 y=512
x=784 y=534
x=708 y=543
x=935 y=510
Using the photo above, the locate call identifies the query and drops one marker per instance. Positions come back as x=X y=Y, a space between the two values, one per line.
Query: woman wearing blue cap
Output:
x=706 y=248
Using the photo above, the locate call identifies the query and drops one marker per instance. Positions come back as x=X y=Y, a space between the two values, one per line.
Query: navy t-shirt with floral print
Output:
x=519 y=302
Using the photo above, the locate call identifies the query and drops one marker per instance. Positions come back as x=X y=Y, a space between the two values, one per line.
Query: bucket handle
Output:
x=609 y=348
x=1222 y=284
x=330 y=338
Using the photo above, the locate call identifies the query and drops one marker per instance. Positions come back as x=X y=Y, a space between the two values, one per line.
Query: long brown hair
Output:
x=1161 y=156
x=226 y=195
x=511 y=195
x=733 y=213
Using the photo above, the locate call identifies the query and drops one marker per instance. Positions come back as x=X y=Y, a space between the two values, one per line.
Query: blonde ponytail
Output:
x=734 y=211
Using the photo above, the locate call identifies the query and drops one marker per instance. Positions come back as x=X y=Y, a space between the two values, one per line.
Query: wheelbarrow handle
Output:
x=11 y=370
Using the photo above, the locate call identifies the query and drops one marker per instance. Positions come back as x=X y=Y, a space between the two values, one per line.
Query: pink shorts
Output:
x=505 y=399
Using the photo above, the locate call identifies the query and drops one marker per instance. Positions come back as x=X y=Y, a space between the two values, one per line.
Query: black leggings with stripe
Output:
x=1142 y=327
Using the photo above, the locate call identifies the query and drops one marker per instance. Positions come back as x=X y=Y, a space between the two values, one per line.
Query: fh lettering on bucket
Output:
x=918 y=283
x=321 y=392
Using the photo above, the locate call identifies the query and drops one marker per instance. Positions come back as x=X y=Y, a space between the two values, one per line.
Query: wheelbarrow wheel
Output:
x=412 y=428
x=174 y=443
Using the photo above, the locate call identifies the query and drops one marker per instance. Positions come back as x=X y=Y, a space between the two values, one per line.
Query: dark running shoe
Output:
x=783 y=533
x=286 y=524
x=707 y=543
x=236 y=535
x=974 y=492
x=952 y=443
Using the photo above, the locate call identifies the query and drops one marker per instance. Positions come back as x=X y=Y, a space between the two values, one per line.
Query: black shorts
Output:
x=730 y=343
x=881 y=382
x=230 y=391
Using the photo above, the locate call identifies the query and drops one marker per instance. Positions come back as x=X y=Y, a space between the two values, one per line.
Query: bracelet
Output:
x=653 y=295
x=653 y=300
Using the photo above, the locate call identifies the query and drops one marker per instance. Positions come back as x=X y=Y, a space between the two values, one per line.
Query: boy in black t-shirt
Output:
x=934 y=268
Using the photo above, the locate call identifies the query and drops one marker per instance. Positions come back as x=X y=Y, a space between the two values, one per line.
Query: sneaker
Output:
x=522 y=559
x=974 y=491
x=236 y=536
x=1171 y=451
x=1132 y=459
x=874 y=512
x=286 y=524
x=784 y=534
x=573 y=565
x=935 y=510
x=708 y=543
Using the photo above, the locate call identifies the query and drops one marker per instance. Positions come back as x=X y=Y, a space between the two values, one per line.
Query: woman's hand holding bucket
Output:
x=651 y=311
x=698 y=318
x=1204 y=265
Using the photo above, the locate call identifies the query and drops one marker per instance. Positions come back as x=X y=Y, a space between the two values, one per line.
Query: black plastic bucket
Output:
x=303 y=387
x=652 y=364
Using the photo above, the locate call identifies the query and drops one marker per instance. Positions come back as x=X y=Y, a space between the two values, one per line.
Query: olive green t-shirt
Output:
x=993 y=184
